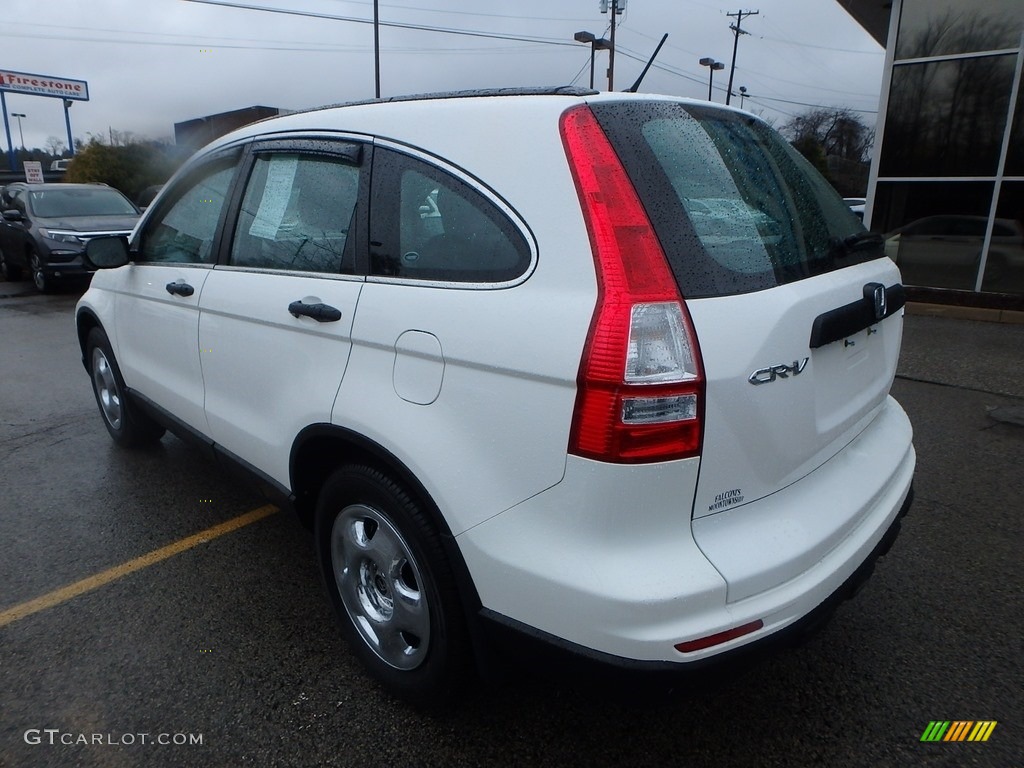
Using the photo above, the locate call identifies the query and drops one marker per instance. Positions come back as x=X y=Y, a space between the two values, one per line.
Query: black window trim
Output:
x=187 y=176
x=355 y=150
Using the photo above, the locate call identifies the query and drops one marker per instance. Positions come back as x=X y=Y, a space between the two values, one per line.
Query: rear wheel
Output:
x=391 y=585
x=126 y=424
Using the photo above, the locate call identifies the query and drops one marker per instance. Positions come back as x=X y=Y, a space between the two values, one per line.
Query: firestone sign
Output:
x=43 y=85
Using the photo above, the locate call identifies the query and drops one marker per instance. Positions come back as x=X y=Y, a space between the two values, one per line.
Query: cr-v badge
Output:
x=780 y=371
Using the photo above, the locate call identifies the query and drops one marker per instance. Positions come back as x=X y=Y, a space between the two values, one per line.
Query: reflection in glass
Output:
x=947 y=118
x=934 y=231
x=1004 y=270
x=1015 y=157
x=942 y=27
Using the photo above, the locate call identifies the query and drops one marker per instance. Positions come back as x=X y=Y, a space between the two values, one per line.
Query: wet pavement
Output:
x=232 y=641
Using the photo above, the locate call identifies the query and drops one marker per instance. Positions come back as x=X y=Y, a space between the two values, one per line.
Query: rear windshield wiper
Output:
x=859 y=241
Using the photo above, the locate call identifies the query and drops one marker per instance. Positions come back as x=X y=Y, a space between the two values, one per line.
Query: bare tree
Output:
x=837 y=132
x=55 y=145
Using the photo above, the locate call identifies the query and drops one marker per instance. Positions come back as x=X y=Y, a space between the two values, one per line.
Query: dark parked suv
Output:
x=45 y=227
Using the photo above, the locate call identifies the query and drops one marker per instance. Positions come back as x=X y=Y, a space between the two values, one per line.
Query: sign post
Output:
x=41 y=85
x=7 y=130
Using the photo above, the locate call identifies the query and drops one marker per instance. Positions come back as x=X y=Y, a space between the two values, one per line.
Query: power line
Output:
x=447 y=12
x=820 y=47
x=395 y=24
x=258 y=44
x=806 y=104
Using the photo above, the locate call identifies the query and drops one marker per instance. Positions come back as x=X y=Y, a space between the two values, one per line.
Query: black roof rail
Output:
x=542 y=90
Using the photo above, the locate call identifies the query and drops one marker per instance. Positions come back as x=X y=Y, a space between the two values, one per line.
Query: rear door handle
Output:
x=322 y=313
x=180 y=288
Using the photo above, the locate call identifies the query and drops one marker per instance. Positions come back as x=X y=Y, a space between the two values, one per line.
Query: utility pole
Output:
x=618 y=6
x=736 y=31
x=376 y=49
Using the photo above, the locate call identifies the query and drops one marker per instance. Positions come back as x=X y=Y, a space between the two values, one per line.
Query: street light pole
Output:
x=743 y=95
x=596 y=44
x=67 y=122
x=713 y=66
x=20 y=115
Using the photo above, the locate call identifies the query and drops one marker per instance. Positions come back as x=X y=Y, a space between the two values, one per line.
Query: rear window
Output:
x=736 y=208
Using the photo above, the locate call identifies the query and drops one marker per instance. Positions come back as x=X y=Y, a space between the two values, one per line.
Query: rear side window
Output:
x=735 y=207
x=427 y=224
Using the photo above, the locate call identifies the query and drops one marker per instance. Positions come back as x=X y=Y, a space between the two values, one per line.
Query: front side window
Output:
x=427 y=224
x=183 y=230
x=297 y=214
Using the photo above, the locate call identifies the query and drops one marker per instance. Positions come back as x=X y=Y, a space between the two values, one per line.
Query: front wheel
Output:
x=391 y=585
x=126 y=424
x=42 y=282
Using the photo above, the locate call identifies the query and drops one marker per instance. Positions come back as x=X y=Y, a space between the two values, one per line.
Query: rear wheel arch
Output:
x=321 y=449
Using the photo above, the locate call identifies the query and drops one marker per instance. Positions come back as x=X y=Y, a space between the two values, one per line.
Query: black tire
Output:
x=9 y=271
x=391 y=586
x=128 y=426
x=42 y=283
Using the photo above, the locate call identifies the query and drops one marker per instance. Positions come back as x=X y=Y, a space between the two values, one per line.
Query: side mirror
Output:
x=107 y=252
x=13 y=215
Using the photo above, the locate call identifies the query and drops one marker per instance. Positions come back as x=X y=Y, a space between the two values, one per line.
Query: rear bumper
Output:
x=519 y=640
x=609 y=560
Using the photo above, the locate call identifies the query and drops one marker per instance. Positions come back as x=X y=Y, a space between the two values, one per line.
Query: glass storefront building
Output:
x=947 y=179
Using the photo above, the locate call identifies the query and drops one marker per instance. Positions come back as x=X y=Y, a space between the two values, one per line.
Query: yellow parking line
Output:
x=64 y=594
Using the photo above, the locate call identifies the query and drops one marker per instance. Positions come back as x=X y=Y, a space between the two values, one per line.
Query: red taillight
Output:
x=640 y=391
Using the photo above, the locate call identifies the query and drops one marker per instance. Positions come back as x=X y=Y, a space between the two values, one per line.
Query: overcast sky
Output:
x=151 y=63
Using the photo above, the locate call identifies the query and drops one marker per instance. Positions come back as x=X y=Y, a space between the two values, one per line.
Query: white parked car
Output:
x=856 y=205
x=609 y=371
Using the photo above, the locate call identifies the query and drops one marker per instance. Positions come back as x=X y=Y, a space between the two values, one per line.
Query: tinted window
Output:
x=935 y=231
x=1015 y=156
x=735 y=207
x=183 y=229
x=1005 y=269
x=947 y=118
x=427 y=224
x=297 y=213
x=940 y=27
x=16 y=200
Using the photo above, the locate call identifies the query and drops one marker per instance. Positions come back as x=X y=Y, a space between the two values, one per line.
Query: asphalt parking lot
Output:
x=223 y=646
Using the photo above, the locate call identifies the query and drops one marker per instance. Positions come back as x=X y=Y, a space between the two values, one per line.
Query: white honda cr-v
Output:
x=608 y=371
